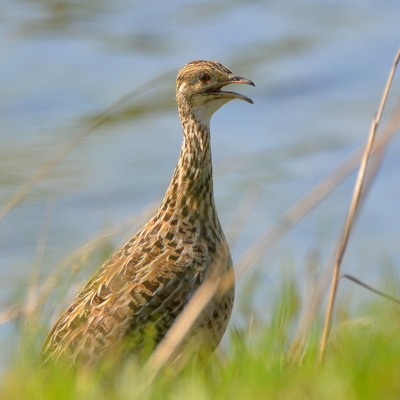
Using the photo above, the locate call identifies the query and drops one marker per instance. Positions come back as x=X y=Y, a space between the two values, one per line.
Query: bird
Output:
x=140 y=291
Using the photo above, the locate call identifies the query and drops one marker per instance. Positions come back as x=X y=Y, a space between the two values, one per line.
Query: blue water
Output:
x=319 y=68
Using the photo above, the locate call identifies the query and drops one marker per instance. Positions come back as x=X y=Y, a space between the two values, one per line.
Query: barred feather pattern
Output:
x=146 y=284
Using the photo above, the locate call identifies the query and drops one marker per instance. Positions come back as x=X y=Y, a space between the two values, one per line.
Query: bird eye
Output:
x=205 y=78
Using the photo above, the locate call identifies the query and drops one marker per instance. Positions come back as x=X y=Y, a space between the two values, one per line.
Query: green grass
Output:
x=362 y=362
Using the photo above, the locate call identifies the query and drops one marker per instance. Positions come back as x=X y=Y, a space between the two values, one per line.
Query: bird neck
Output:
x=191 y=187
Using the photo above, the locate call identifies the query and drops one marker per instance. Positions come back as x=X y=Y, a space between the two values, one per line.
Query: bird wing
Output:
x=143 y=287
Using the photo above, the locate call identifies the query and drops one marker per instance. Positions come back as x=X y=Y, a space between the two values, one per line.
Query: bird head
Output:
x=199 y=85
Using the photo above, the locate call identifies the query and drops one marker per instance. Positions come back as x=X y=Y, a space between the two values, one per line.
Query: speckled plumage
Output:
x=147 y=283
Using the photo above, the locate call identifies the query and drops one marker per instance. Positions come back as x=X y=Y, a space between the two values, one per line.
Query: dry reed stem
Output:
x=17 y=310
x=11 y=313
x=391 y=127
x=97 y=121
x=171 y=343
x=322 y=189
x=241 y=215
x=368 y=287
x=353 y=210
x=30 y=307
x=88 y=246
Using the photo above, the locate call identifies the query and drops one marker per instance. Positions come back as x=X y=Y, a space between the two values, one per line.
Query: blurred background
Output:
x=319 y=68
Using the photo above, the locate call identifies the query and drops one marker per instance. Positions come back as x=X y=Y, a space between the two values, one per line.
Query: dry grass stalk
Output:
x=241 y=215
x=313 y=198
x=10 y=314
x=215 y=284
x=297 y=348
x=97 y=122
x=30 y=307
x=368 y=287
x=391 y=127
x=354 y=208
x=86 y=248
x=18 y=310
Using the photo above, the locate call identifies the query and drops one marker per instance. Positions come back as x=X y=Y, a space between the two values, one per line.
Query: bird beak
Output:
x=233 y=95
x=239 y=79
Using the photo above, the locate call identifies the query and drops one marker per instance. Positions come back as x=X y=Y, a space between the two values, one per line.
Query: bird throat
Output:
x=191 y=187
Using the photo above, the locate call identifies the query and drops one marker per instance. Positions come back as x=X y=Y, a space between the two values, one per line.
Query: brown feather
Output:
x=148 y=282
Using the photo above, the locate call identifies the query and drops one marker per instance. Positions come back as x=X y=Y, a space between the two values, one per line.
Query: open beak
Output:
x=233 y=95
